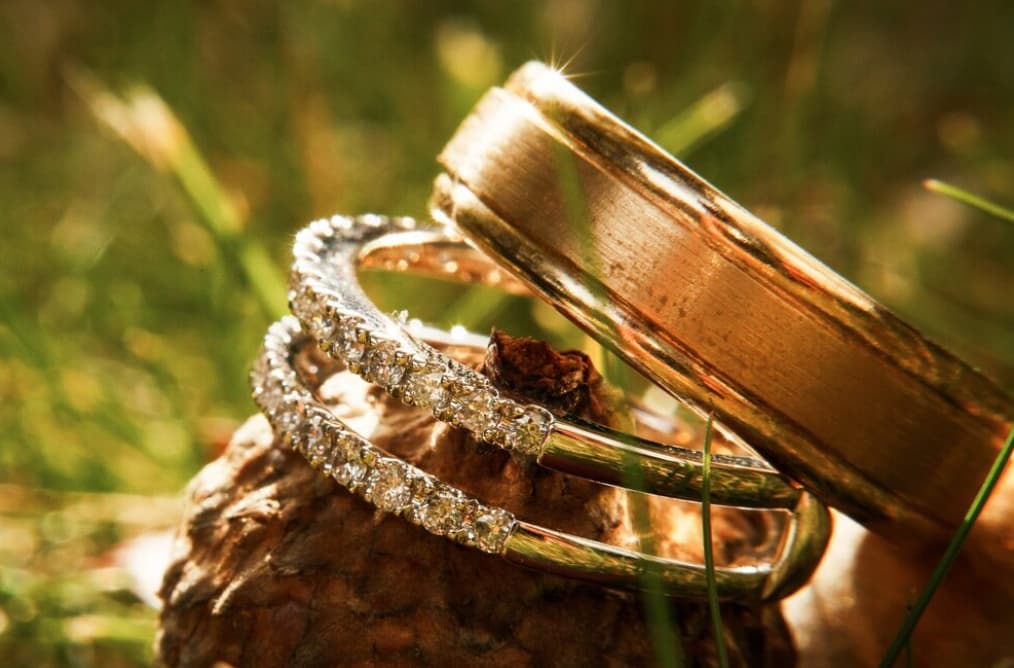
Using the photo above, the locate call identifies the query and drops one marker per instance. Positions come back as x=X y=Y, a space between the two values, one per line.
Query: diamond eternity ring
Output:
x=392 y=485
x=327 y=299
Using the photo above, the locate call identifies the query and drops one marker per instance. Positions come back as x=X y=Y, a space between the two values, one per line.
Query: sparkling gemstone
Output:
x=317 y=451
x=371 y=220
x=289 y=419
x=421 y=489
x=382 y=364
x=340 y=224
x=444 y=513
x=322 y=327
x=465 y=531
x=354 y=468
x=335 y=457
x=473 y=410
x=306 y=434
x=422 y=385
x=300 y=301
x=492 y=526
x=351 y=342
x=368 y=458
x=276 y=379
x=527 y=432
x=389 y=490
x=390 y=376
x=321 y=228
x=454 y=386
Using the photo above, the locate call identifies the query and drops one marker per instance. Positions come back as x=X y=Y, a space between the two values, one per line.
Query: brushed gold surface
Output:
x=719 y=308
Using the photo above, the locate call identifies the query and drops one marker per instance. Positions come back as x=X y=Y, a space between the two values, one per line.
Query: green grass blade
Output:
x=476 y=307
x=709 y=554
x=705 y=118
x=968 y=198
x=667 y=645
x=658 y=612
x=143 y=121
x=701 y=121
x=901 y=641
x=220 y=218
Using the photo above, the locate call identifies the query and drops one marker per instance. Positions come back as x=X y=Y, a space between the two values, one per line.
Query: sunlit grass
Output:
x=965 y=197
x=145 y=123
x=658 y=612
x=705 y=118
x=709 y=552
x=702 y=120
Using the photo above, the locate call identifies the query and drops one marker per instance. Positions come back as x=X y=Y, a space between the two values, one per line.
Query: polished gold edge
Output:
x=608 y=457
x=608 y=566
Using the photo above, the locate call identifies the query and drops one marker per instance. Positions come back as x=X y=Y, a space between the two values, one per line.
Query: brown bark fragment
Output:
x=276 y=565
x=566 y=383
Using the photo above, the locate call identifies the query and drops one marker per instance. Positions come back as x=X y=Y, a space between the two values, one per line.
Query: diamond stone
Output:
x=323 y=328
x=389 y=489
x=316 y=452
x=391 y=484
x=492 y=526
x=300 y=300
x=324 y=294
x=383 y=365
x=527 y=432
x=465 y=531
x=289 y=420
x=422 y=385
x=444 y=514
x=334 y=459
x=368 y=459
x=354 y=469
x=473 y=410
x=421 y=488
x=351 y=343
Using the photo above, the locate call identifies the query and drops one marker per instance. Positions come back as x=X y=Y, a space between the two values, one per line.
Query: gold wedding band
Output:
x=720 y=309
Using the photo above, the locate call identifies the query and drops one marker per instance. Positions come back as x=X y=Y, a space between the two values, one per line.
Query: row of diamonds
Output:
x=388 y=483
x=333 y=310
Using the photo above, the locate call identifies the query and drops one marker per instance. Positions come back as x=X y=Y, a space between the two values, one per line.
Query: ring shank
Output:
x=562 y=554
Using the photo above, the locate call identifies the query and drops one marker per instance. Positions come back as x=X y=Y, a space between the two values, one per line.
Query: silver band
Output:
x=331 y=306
x=395 y=486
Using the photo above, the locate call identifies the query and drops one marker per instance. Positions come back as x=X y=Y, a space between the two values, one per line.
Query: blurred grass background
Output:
x=127 y=328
